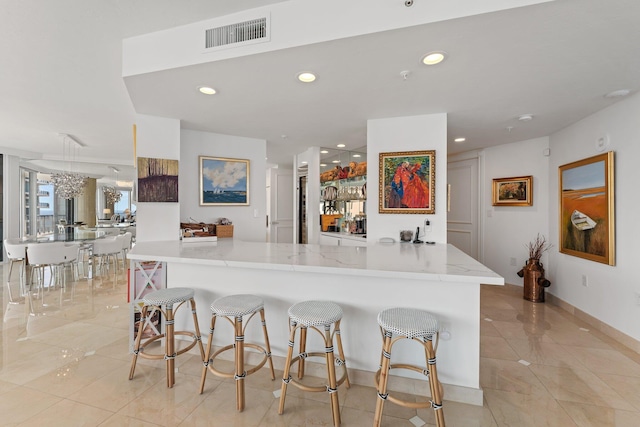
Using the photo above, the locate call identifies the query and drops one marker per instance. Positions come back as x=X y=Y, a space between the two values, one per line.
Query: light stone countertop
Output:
x=439 y=262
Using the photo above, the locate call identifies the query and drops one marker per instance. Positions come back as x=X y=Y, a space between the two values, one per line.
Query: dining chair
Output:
x=16 y=252
x=125 y=239
x=104 y=250
x=46 y=255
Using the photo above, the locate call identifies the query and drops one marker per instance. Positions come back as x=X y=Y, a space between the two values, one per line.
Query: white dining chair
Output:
x=16 y=253
x=105 y=250
x=125 y=239
x=46 y=255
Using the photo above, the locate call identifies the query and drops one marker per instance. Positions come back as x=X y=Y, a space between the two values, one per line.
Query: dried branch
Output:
x=538 y=247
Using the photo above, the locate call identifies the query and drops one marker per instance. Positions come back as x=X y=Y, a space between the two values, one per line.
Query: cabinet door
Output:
x=329 y=240
x=353 y=242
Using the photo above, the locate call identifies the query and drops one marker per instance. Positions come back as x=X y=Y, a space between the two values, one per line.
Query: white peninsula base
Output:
x=363 y=280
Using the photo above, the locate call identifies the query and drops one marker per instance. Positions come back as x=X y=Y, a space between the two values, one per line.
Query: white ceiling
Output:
x=61 y=72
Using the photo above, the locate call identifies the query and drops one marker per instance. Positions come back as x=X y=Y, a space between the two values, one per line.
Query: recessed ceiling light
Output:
x=324 y=152
x=336 y=161
x=357 y=155
x=340 y=145
x=525 y=117
x=207 y=90
x=433 y=58
x=618 y=93
x=304 y=162
x=323 y=165
x=306 y=77
x=460 y=139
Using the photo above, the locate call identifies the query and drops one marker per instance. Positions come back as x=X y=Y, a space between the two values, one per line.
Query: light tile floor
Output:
x=64 y=361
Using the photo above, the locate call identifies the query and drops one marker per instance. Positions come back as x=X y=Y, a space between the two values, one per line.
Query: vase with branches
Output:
x=533 y=271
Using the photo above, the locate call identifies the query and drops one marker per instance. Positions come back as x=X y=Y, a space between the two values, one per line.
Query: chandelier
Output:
x=68 y=185
x=112 y=194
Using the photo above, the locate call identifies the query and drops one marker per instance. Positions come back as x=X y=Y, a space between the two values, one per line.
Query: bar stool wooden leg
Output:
x=434 y=383
x=385 y=360
x=341 y=353
x=207 y=357
x=240 y=373
x=303 y=349
x=331 y=374
x=170 y=352
x=286 y=377
x=136 y=346
x=266 y=343
x=197 y=327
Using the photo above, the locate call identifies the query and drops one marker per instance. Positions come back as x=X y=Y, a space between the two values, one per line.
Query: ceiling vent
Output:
x=240 y=33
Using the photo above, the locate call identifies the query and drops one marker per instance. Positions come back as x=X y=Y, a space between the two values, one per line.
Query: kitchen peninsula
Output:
x=363 y=280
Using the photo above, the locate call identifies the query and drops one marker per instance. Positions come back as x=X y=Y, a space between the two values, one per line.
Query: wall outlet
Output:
x=585 y=281
x=512 y=261
x=427 y=226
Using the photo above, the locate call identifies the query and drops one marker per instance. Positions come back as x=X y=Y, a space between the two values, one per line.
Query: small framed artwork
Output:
x=407 y=182
x=157 y=180
x=223 y=181
x=517 y=191
x=587 y=220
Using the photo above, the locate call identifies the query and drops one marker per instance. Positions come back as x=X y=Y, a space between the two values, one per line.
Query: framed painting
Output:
x=516 y=191
x=223 y=181
x=157 y=180
x=587 y=217
x=407 y=182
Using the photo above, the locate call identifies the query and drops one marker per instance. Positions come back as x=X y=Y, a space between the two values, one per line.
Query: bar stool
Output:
x=316 y=314
x=157 y=300
x=233 y=308
x=420 y=326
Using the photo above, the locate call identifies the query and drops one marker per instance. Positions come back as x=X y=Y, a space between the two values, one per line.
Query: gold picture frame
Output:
x=516 y=191
x=224 y=181
x=407 y=182
x=586 y=214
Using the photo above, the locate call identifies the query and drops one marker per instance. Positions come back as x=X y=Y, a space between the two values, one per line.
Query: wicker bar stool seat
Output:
x=319 y=316
x=233 y=308
x=164 y=301
x=420 y=326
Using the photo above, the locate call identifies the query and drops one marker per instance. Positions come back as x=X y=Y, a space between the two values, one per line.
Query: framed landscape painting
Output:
x=223 y=181
x=587 y=221
x=407 y=182
x=157 y=180
x=513 y=191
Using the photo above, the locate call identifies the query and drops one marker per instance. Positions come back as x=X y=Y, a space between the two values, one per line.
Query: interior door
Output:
x=280 y=218
x=462 y=219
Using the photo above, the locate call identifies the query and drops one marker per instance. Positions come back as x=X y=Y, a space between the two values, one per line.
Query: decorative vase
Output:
x=534 y=281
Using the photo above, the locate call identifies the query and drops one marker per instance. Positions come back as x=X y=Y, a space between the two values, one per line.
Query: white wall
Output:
x=611 y=292
x=508 y=229
x=158 y=138
x=415 y=133
x=249 y=221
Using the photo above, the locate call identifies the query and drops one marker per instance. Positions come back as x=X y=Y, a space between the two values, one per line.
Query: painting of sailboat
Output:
x=224 y=181
x=587 y=208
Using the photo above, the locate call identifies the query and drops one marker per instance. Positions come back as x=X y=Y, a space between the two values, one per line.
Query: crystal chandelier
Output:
x=68 y=185
x=112 y=194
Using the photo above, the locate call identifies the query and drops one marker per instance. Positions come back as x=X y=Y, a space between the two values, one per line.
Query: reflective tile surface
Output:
x=64 y=361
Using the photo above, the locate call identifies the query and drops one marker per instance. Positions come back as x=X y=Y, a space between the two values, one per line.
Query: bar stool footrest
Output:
x=158 y=356
x=406 y=403
x=256 y=368
x=305 y=387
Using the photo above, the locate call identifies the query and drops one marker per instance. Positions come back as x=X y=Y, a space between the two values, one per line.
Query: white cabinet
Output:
x=329 y=240
x=342 y=240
